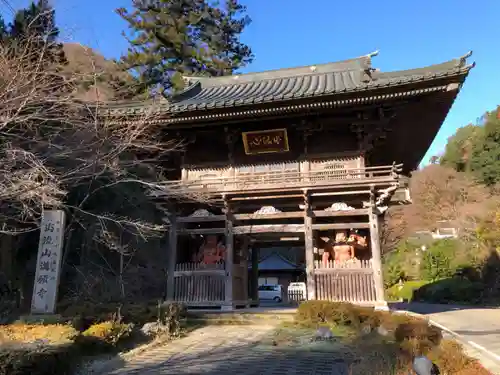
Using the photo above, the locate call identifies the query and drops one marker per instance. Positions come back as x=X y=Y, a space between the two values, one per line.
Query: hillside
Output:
x=100 y=78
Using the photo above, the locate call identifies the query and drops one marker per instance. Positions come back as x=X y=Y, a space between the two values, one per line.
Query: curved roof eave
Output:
x=284 y=85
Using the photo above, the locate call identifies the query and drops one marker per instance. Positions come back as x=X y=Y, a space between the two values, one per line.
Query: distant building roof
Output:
x=276 y=262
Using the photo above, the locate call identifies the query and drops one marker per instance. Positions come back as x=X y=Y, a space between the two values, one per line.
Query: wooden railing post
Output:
x=309 y=248
x=172 y=258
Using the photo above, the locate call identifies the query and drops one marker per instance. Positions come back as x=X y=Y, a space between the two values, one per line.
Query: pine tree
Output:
x=485 y=161
x=35 y=28
x=171 y=38
x=229 y=53
x=458 y=151
x=4 y=33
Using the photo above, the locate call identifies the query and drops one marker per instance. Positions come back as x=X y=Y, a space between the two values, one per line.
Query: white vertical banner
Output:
x=48 y=263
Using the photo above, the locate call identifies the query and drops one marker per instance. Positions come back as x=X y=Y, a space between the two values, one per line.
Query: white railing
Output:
x=192 y=266
x=348 y=264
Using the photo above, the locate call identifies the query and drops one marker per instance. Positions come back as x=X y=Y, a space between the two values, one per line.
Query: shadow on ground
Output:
x=267 y=354
x=247 y=359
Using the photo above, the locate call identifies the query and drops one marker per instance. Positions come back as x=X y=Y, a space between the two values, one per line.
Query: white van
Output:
x=271 y=292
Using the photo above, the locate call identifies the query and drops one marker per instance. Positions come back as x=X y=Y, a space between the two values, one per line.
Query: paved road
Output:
x=477 y=327
x=229 y=350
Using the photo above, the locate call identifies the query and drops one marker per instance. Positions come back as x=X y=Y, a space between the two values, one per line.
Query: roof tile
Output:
x=292 y=83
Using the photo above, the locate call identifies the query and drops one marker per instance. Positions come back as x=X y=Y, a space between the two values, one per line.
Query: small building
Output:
x=309 y=157
x=276 y=269
x=445 y=229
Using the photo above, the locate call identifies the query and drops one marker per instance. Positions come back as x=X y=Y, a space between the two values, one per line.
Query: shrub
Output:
x=412 y=336
x=404 y=327
x=109 y=332
x=313 y=313
x=51 y=334
x=55 y=349
x=57 y=360
x=405 y=292
x=85 y=313
x=450 y=359
x=453 y=290
x=444 y=258
x=419 y=330
x=37 y=349
x=316 y=312
x=396 y=264
x=170 y=317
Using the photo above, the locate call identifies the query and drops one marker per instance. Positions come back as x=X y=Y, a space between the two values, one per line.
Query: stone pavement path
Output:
x=225 y=350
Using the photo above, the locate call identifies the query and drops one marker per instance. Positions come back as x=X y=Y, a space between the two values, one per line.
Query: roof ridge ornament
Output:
x=463 y=59
x=372 y=54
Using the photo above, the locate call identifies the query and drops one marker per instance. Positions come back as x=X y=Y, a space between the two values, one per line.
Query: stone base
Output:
x=381 y=306
x=41 y=318
x=227 y=308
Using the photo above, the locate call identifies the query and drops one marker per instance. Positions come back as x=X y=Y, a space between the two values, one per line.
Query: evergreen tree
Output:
x=3 y=30
x=485 y=161
x=458 y=151
x=171 y=38
x=35 y=28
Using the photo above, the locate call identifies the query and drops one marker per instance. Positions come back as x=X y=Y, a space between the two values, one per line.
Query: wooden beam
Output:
x=172 y=258
x=253 y=197
x=354 y=183
x=278 y=215
x=201 y=231
x=272 y=228
x=345 y=192
x=309 y=248
x=200 y=219
x=356 y=212
x=287 y=204
x=341 y=226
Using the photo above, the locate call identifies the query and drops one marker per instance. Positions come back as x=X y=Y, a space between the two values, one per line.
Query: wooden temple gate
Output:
x=224 y=281
x=304 y=151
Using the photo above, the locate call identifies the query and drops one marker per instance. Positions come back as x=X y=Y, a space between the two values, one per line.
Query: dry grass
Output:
x=392 y=354
x=52 y=334
x=379 y=357
x=450 y=357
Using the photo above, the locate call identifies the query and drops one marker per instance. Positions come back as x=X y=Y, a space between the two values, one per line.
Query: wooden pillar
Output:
x=172 y=258
x=254 y=277
x=309 y=248
x=376 y=257
x=229 y=258
x=244 y=264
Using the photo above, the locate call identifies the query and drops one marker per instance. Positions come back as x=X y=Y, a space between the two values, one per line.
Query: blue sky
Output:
x=287 y=33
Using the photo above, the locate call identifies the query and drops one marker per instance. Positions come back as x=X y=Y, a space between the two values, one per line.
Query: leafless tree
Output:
x=59 y=152
x=439 y=194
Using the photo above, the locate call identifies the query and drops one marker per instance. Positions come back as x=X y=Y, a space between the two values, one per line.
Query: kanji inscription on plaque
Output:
x=48 y=262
